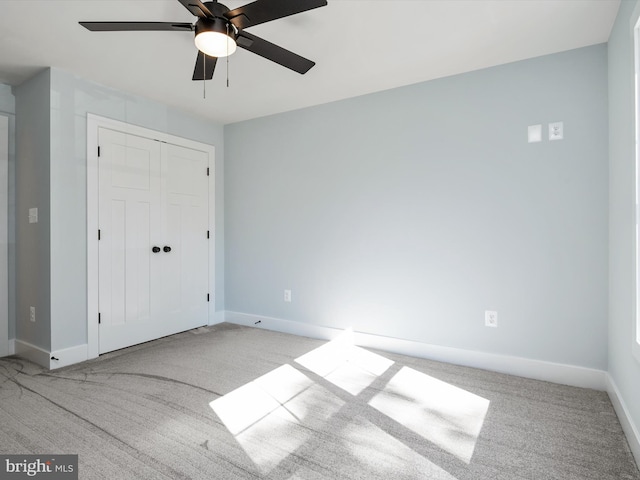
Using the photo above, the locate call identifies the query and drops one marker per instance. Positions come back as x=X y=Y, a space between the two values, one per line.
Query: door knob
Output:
x=167 y=249
x=155 y=249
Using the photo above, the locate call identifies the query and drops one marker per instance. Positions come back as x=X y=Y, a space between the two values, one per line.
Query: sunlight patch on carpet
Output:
x=444 y=414
x=344 y=364
x=277 y=414
x=274 y=415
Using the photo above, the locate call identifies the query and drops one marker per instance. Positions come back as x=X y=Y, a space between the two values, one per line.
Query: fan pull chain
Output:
x=204 y=73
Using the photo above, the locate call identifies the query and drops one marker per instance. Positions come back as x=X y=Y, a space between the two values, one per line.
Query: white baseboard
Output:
x=51 y=360
x=31 y=352
x=68 y=356
x=523 y=367
x=628 y=426
x=280 y=325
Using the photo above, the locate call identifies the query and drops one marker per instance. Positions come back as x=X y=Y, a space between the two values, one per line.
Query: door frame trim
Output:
x=94 y=123
x=4 y=237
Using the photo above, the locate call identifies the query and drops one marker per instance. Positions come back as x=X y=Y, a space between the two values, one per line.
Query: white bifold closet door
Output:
x=153 y=247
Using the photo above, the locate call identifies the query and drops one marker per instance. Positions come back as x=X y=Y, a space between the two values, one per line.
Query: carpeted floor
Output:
x=230 y=402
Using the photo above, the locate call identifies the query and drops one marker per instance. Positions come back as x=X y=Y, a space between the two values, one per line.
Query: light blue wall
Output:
x=624 y=369
x=71 y=99
x=33 y=253
x=409 y=212
x=7 y=101
x=8 y=109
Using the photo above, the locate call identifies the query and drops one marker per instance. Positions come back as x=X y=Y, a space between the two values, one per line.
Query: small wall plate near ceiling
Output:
x=535 y=133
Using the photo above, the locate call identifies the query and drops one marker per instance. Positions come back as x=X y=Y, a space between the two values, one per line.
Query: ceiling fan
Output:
x=219 y=31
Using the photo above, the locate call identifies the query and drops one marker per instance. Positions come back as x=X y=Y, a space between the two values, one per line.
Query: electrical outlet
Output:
x=32 y=314
x=490 y=318
x=287 y=296
x=33 y=215
x=556 y=131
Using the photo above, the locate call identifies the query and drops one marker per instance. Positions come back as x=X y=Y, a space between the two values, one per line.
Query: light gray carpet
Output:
x=287 y=407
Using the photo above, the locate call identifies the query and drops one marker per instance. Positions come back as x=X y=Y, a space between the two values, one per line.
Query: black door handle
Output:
x=167 y=249
x=155 y=249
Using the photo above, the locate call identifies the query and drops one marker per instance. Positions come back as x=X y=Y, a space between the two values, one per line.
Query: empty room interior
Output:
x=306 y=239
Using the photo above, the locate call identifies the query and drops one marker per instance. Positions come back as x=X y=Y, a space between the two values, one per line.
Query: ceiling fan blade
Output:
x=136 y=26
x=204 y=67
x=197 y=8
x=273 y=52
x=262 y=11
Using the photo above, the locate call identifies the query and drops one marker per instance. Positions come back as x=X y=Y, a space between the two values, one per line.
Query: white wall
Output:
x=33 y=254
x=8 y=109
x=624 y=368
x=409 y=212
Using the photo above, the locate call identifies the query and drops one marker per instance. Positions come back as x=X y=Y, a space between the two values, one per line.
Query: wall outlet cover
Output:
x=490 y=318
x=556 y=131
x=33 y=215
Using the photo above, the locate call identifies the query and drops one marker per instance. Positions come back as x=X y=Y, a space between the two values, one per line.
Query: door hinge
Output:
x=99 y=320
x=207 y=233
x=98 y=234
x=207 y=297
x=98 y=150
x=207 y=171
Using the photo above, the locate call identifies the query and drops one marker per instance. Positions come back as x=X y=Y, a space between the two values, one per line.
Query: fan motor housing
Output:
x=216 y=8
x=217 y=24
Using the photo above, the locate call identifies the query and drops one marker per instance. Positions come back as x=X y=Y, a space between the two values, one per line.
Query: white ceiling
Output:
x=359 y=46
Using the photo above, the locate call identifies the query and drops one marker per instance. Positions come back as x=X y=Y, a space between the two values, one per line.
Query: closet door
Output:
x=152 y=278
x=185 y=210
x=130 y=220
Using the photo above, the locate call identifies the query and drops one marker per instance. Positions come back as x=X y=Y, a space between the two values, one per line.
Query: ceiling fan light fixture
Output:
x=212 y=39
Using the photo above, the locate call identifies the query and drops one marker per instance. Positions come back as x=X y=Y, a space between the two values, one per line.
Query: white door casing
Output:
x=160 y=193
x=4 y=236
